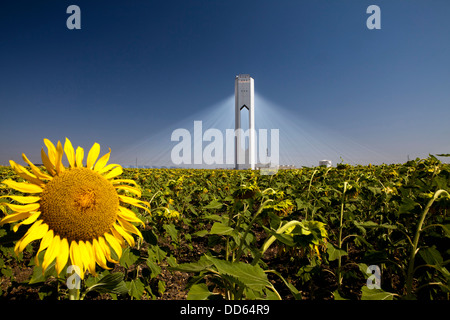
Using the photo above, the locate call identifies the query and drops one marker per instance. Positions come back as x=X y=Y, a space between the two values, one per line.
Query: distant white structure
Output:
x=325 y=163
x=286 y=167
x=244 y=92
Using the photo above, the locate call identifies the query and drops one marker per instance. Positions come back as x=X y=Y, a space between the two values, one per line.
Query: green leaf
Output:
x=388 y=226
x=215 y=217
x=431 y=256
x=363 y=268
x=200 y=233
x=155 y=253
x=251 y=276
x=198 y=266
x=172 y=261
x=161 y=287
x=267 y=294
x=7 y=272
x=172 y=231
x=287 y=239
x=302 y=204
x=199 y=292
x=407 y=205
x=365 y=224
x=334 y=253
x=446 y=229
x=375 y=294
x=111 y=283
x=154 y=268
x=220 y=228
x=214 y=205
x=337 y=296
x=371 y=224
x=38 y=275
x=375 y=190
x=129 y=257
x=135 y=288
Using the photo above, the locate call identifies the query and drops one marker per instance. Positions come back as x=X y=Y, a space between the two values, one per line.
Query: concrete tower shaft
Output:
x=244 y=98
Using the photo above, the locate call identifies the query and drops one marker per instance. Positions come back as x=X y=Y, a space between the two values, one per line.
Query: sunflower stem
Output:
x=74 y=294
x=415 y=244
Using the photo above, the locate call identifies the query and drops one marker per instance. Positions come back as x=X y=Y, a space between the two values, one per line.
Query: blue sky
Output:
x=138 y=70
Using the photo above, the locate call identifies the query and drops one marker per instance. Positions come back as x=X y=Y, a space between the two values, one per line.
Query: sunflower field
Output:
x=376 y=232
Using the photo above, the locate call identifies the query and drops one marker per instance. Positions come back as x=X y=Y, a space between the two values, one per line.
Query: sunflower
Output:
x=77 y=212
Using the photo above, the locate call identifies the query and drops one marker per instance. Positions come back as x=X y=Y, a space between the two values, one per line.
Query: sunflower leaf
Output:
x=221 y=229
x=135 y=288
x=375 y=294
x=111 y=283
x=199 y=292
x=334 y=252
x=251 y=276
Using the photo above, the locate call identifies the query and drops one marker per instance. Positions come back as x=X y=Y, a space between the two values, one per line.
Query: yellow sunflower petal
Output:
x=32 y=218
x=101 y=163
x=99 y=255
x=36 y=231
x=24 y=208
x=114 y=243
x=79 y=157
x=23 y=199
x=51 y=253
x=108 y=167
x=83 y=255
x=47 y=163
x=128 y=237
x=105 y=248
x=23 y=186
x=63 y=256
x=90 y=252
x=24 y=173
x=58 y=158
x=93 y=155
x=117 y=171
x=14 y=217
x=70 y=153
x=41 y=175
x=117 y=181
x=129 y=227
x=134 y=202
x=45 y=242
x=51 y=151
x=76 y=257
x=129 y=189
x=118 y=237
x=128 y=215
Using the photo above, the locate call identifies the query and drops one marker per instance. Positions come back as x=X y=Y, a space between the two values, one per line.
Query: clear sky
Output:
x=136 y=70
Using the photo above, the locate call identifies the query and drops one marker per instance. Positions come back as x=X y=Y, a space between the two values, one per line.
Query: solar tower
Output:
x=244 y=98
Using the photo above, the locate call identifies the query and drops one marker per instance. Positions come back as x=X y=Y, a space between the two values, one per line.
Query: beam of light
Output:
x=304 y=142
x=155 y=149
